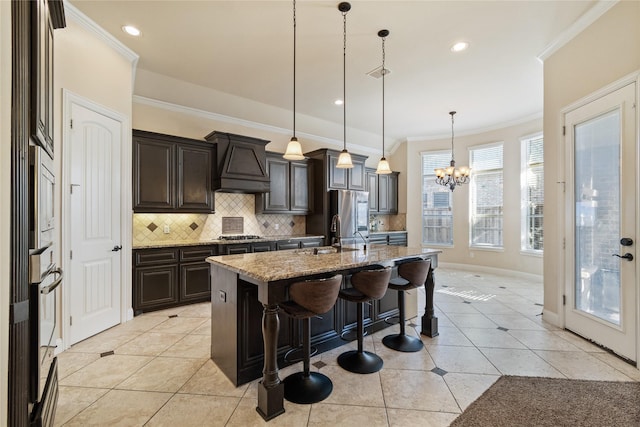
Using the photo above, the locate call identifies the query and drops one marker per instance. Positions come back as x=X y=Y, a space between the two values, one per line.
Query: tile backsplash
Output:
x=151 y=227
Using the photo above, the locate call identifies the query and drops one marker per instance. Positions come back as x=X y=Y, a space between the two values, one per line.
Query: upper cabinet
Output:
x=171 y=174
x=289 y=184
x=339 y=179
x=383 y=192
x=45 y=17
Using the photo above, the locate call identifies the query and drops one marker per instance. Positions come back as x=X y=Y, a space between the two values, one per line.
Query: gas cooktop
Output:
x=239 y=237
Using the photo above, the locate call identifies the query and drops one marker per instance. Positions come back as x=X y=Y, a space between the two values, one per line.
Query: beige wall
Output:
x=5 y=195
x=90 y=68
x=606 y=51
x=508 y=259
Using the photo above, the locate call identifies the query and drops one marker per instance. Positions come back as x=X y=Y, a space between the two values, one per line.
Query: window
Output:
x=532 y=184
x=486 y=196
x=437 y=214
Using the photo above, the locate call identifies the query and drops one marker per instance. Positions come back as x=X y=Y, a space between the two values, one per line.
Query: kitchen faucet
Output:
x=363 y=239
x=335 y=228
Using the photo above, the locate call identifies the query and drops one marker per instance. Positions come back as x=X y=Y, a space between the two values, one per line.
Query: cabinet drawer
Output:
x=314 y=243
x=380 y=239
x=398 y=239
x=287 y=244
x=198 y=253
x=154 y=256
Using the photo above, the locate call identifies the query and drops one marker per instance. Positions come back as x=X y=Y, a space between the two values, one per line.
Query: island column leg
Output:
x=270 y=389
x=429 y=320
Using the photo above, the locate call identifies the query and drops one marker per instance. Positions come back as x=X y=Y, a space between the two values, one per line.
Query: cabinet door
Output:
x=277 y=199
x=383 y=193
x=300 y=188
x=337 y=177
x=42 y=76
x=357 y=174
x=155 y=288
x=153 y=175
x=387 y=306
x=194 y=179
x=372 y=188
x=194 y=282
x=393 y=193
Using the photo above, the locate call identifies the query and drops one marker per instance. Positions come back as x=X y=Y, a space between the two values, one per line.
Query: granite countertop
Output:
x=270 y=266
x=175 y=243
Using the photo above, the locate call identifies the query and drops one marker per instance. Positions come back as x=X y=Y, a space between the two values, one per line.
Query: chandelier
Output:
x=452 y=176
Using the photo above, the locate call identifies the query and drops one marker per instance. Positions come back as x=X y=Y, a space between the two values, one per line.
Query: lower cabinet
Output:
x=168 y=277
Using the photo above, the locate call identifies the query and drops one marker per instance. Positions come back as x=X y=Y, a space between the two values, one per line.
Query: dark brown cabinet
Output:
x=334 y=178
x=289 y=187
x=45 y=17
x=169 y=277
x=395 y=238
x=383 y=192
x=171 y=174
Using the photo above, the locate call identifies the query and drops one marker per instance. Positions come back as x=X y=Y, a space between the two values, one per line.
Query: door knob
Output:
x=626 y=256
x=116 y=248
x=626 y=241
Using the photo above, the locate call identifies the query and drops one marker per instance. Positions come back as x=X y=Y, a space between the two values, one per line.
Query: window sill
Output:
x=436 y=245
x=487 y=248
x=537 y=254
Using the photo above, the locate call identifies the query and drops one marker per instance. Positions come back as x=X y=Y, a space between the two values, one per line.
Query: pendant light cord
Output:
x=294 y=68
x=384 y=71
x=344 y=78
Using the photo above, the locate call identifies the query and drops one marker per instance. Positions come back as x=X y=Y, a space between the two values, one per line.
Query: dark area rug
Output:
x=532 y=401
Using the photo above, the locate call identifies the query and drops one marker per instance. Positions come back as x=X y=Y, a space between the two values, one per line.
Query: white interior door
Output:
x=95 y=229
x=601 y=287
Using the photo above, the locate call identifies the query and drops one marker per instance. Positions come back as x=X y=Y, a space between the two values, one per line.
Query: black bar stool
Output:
x=309 y=299
x=368 y=285
x=411 y=275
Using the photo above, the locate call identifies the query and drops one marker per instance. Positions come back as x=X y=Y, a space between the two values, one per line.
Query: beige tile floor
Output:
x=490 y=325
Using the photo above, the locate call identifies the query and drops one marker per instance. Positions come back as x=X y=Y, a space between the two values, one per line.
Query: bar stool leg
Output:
x=306 y=386
x=360 y=361
x=402 y=341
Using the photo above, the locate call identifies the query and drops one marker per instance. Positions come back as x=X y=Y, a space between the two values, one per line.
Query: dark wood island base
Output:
x=246 y=331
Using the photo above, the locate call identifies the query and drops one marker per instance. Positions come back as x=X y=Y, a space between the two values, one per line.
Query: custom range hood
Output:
x=240 y=163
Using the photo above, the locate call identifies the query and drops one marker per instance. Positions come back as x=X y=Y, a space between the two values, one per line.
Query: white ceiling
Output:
x=245 y=48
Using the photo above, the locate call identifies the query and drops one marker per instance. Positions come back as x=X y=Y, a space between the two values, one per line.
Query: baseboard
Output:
x=59 y=347
x=129 y=314
x=493 y=270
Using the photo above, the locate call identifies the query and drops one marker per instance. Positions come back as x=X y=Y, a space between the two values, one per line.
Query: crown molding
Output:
x=88 y=24
x=591 y=16
x=502 y=125
x=176 y=108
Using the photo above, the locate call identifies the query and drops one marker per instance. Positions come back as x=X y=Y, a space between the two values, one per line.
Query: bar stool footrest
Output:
x=403 y=343
x=295 y=355
x=302 y=389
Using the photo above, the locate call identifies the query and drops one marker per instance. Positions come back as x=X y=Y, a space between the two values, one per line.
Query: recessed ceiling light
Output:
x=131 y=30
x=338 y=102
x=459 y=46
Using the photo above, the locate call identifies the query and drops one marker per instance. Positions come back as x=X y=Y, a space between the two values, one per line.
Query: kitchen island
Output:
x=250 y=285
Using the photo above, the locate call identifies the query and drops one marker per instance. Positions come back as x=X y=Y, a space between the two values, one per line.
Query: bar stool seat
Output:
x=308 y=299
x=411 y=275
x=368 y=285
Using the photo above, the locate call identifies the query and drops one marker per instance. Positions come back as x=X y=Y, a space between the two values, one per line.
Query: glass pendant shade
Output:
x=294 y=150
x=344 y=161
x=383 y=167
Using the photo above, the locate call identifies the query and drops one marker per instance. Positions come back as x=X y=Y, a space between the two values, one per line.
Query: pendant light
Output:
x=344 y=161
x=452 y=176
x=383 y=164
x=294 y=149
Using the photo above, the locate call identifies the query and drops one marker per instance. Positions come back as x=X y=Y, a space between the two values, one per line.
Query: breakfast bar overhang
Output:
x=270 y=274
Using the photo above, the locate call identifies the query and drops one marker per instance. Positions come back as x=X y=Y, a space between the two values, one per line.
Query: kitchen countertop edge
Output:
x=174 y=243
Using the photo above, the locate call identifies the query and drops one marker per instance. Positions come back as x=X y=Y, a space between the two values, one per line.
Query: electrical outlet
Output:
x=167 y=229
x=222 y=296
x=276 y=226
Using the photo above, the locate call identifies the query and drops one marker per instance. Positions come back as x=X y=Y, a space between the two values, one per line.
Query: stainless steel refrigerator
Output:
x=352 y=208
